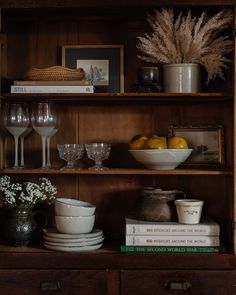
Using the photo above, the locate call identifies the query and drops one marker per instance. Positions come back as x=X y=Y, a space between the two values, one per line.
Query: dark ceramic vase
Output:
x=19 y=226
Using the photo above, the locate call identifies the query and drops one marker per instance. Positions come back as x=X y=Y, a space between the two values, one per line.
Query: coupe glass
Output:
x=44 y=121
x=16 y=121
x=98 y=152
x=70 y=153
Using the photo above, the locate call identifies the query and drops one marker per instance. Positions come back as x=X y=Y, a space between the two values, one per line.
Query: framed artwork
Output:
x=207 y=143
x=103 y=64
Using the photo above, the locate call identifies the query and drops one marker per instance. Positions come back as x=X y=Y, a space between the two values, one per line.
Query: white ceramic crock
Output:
x=189 y=210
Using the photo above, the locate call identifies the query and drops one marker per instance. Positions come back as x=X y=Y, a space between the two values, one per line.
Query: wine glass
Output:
x=16 y=121
x=44 y=120
x=70 y=153
x=48 y=140
x=98 y=152
x=22 y=138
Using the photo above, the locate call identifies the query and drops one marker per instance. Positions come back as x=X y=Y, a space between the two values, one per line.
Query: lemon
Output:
x=177 y=142
x=137 y=142
x=155 y=142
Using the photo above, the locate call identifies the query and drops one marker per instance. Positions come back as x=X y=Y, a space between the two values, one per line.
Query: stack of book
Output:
x=145 y=236
x=80 y=86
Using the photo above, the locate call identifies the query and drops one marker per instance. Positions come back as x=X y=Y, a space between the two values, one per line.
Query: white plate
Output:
x=65 y=241
x=73 y=249
x=52 y=232
x=74 y=244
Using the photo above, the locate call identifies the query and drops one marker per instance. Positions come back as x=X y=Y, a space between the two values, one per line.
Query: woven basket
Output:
x=55 y=73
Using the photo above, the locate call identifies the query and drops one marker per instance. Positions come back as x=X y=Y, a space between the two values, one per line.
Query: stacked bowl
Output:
x=74 y=220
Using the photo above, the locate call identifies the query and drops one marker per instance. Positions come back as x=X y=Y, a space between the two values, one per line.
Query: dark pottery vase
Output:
x=19 y=226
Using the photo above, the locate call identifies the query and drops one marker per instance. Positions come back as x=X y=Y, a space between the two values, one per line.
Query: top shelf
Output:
x=158 y=97
x=108 y=4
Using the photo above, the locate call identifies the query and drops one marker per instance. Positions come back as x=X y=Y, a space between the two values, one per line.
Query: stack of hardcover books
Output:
x=145 y=236
x=80 y=86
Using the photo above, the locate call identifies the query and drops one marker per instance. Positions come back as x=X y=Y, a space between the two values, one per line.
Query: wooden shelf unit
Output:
x=31 y=36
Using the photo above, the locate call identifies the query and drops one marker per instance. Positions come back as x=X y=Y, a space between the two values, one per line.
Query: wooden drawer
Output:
x=178 y=282
x=64 y=282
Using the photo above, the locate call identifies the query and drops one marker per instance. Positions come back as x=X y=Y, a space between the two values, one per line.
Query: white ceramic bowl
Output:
x=189 y=210
x=72 y=207
x=161 y=159
x=74 y=224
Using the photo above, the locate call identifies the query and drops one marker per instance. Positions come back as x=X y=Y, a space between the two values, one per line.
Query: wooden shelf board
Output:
x=120 y=97
x=110 y=257
x=117 y=172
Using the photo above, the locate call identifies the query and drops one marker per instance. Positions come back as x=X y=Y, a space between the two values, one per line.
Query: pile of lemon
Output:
x=139 y=142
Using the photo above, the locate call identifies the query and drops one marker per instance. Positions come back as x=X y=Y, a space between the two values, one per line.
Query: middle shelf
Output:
x=117 y=172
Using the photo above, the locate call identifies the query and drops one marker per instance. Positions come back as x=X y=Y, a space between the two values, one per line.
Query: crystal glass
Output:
x=70 y=153
x=16 y=121
x=98 y=152
x=44 y=121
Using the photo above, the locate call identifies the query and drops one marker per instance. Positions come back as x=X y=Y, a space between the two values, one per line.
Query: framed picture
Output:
x=103 y=64
x=207 y=143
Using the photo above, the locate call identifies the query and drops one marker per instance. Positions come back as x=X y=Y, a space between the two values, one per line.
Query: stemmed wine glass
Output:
x=98 y=152
x=44 y=119
x=48 y=140
x=22 y=138
x=16 y=121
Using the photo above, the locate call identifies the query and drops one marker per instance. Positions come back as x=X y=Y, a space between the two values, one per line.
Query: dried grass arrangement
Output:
x=188 y=39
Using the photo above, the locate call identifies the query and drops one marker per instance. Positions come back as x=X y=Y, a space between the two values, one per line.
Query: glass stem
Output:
x=43 y=151
x=22 y=161
x=16 y=137
x=48 y=151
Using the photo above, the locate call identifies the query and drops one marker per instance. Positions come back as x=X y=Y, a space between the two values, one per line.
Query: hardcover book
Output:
x=144 y=240
x=170 y=249
x=51 y=83
x=53 y=89
x=137 y=227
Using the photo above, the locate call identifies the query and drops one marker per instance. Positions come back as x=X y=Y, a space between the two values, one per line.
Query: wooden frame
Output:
x=105 y=62
x=207 y=143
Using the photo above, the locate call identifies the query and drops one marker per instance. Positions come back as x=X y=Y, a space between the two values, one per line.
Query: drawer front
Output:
x=45 y=282
x=178 y=282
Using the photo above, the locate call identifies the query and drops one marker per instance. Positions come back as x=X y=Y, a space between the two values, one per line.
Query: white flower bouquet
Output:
x=26 y=194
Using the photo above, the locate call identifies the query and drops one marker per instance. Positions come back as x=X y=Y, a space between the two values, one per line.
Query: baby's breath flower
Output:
x=26 y=194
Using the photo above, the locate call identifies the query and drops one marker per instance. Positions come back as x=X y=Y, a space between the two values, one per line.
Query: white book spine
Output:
x=52 y=89
x=172 y=240
x=173 y=229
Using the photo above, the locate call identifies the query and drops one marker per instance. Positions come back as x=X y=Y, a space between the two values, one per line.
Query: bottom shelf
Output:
x=110 y=257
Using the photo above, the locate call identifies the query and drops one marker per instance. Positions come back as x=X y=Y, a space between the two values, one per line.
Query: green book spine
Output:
x=169 y=249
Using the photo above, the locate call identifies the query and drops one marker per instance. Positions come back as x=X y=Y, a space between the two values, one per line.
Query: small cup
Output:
x=189 y=210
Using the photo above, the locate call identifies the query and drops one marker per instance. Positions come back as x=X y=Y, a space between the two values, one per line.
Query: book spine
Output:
x=52 y=89
x=169 y=249
x=145 y=229
x=52 y=83
x=172 y=240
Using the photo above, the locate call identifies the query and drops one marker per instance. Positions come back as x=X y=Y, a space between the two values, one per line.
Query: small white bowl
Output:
x=161 y=159
x=72 y=207
x=74 y=224
x=189 y=210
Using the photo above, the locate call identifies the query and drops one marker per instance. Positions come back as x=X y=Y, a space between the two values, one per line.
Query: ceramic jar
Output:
x=158 y=204
x=182 y=78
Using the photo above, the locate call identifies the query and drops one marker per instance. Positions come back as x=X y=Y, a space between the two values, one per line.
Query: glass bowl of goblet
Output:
x=98 y=152
x=70 y=153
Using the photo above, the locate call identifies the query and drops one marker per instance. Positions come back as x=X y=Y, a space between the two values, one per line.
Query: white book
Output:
x=51 y=83
x=53 y=89
x=172 y=240
x=205 y=228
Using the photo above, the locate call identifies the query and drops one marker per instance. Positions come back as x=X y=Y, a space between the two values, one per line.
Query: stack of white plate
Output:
x=55 y=240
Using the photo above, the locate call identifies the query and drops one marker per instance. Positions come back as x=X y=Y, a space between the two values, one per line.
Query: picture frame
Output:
x=103 y=64
x=207 y=143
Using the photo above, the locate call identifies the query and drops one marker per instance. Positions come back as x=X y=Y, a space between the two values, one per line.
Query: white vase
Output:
x=182 y=78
